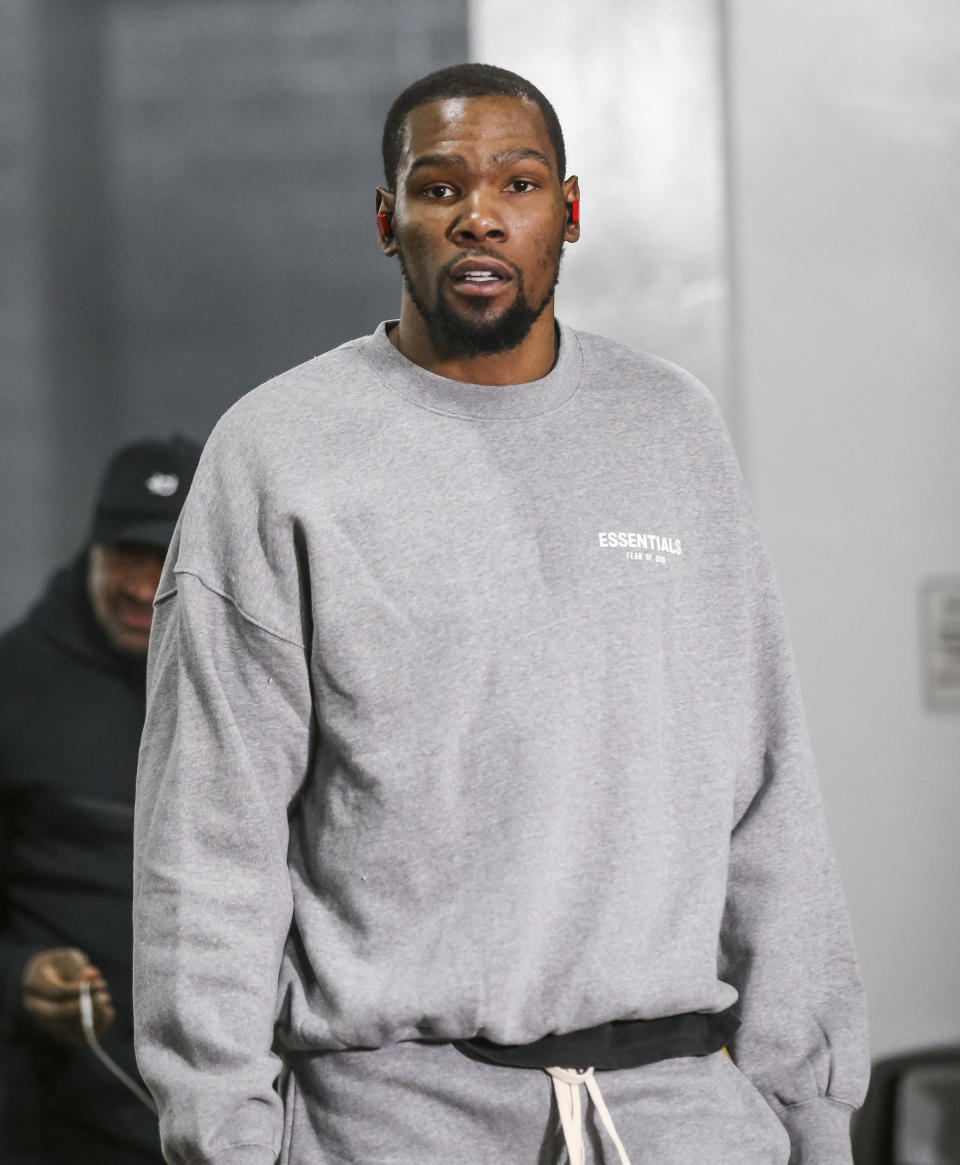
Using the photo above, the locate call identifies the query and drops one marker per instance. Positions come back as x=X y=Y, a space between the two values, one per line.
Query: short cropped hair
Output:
x=467 y=80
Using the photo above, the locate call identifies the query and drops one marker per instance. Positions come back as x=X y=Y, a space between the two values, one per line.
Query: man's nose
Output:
x=141 y=583
x=478 y=221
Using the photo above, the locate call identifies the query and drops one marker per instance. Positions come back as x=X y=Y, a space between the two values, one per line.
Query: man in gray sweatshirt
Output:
x=476 y=815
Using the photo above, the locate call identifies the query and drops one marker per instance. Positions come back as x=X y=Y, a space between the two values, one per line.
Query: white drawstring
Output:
x=566 y=1086
x=86 y=1019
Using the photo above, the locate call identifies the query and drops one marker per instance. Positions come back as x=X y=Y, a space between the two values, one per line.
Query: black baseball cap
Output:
x=142 y=490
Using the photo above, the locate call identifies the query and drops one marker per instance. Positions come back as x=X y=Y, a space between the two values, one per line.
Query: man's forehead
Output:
x=487 y=125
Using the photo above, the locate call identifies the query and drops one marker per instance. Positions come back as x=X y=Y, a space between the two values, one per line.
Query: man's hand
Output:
x=52 y=982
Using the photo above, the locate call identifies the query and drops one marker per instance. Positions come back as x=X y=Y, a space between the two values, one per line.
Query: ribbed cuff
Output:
x=243 y=1155
x=819 y=1132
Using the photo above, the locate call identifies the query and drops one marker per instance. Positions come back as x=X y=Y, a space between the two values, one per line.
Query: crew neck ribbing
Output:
x=481 y=402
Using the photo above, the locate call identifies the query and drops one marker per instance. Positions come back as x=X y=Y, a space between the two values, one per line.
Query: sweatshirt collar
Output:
x=482 y=402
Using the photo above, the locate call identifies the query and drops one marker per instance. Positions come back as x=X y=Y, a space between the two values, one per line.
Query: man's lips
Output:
x=480 y=276
x=136 y=618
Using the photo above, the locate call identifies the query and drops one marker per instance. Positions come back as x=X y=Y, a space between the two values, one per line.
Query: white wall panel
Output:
x=637 y=86
x=845 y=119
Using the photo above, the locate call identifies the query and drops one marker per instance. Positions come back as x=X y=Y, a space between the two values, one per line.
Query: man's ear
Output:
x=385 y=204
x=571 y=196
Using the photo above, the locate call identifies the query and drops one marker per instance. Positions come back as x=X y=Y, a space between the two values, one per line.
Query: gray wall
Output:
x=186 y=208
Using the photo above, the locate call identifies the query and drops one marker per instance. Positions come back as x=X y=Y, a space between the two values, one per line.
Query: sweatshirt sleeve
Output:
x=225 y=750
x=786 y=943
x=14 y=957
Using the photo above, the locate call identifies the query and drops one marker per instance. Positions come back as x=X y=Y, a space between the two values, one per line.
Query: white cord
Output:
x=566 y=1087
x=86 y=1018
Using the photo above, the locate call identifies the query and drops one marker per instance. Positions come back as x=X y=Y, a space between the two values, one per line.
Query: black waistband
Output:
x=627 y=1043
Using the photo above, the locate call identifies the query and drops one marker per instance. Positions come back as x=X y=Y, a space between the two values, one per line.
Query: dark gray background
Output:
x=186 y=208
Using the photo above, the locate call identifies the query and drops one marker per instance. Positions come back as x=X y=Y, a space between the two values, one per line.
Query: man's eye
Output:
x=438 y=190
x=522 y=185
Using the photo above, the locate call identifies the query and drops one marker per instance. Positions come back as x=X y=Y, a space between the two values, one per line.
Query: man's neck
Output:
x=530 y=360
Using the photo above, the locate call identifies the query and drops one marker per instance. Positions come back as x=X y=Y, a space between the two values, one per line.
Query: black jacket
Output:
x=71 y=714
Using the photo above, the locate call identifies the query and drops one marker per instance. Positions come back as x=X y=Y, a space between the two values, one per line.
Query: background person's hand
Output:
x=52 y=982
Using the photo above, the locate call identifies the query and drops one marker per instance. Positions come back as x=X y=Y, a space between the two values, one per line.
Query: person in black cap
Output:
x=72 y=679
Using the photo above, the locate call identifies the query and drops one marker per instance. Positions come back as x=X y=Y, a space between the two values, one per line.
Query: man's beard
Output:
x=453 y=335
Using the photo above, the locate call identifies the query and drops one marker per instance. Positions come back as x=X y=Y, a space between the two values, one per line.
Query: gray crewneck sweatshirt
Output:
x=471 y=712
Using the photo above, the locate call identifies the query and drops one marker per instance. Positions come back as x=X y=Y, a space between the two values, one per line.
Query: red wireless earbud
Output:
x=575 y=210
x=383 y=224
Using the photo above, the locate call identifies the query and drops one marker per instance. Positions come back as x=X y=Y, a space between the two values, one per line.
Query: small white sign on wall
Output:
x=940 y=642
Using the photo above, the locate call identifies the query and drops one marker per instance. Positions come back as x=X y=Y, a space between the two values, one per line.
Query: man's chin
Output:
x=129 y=641
x=483 y=331
x=479 y=312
